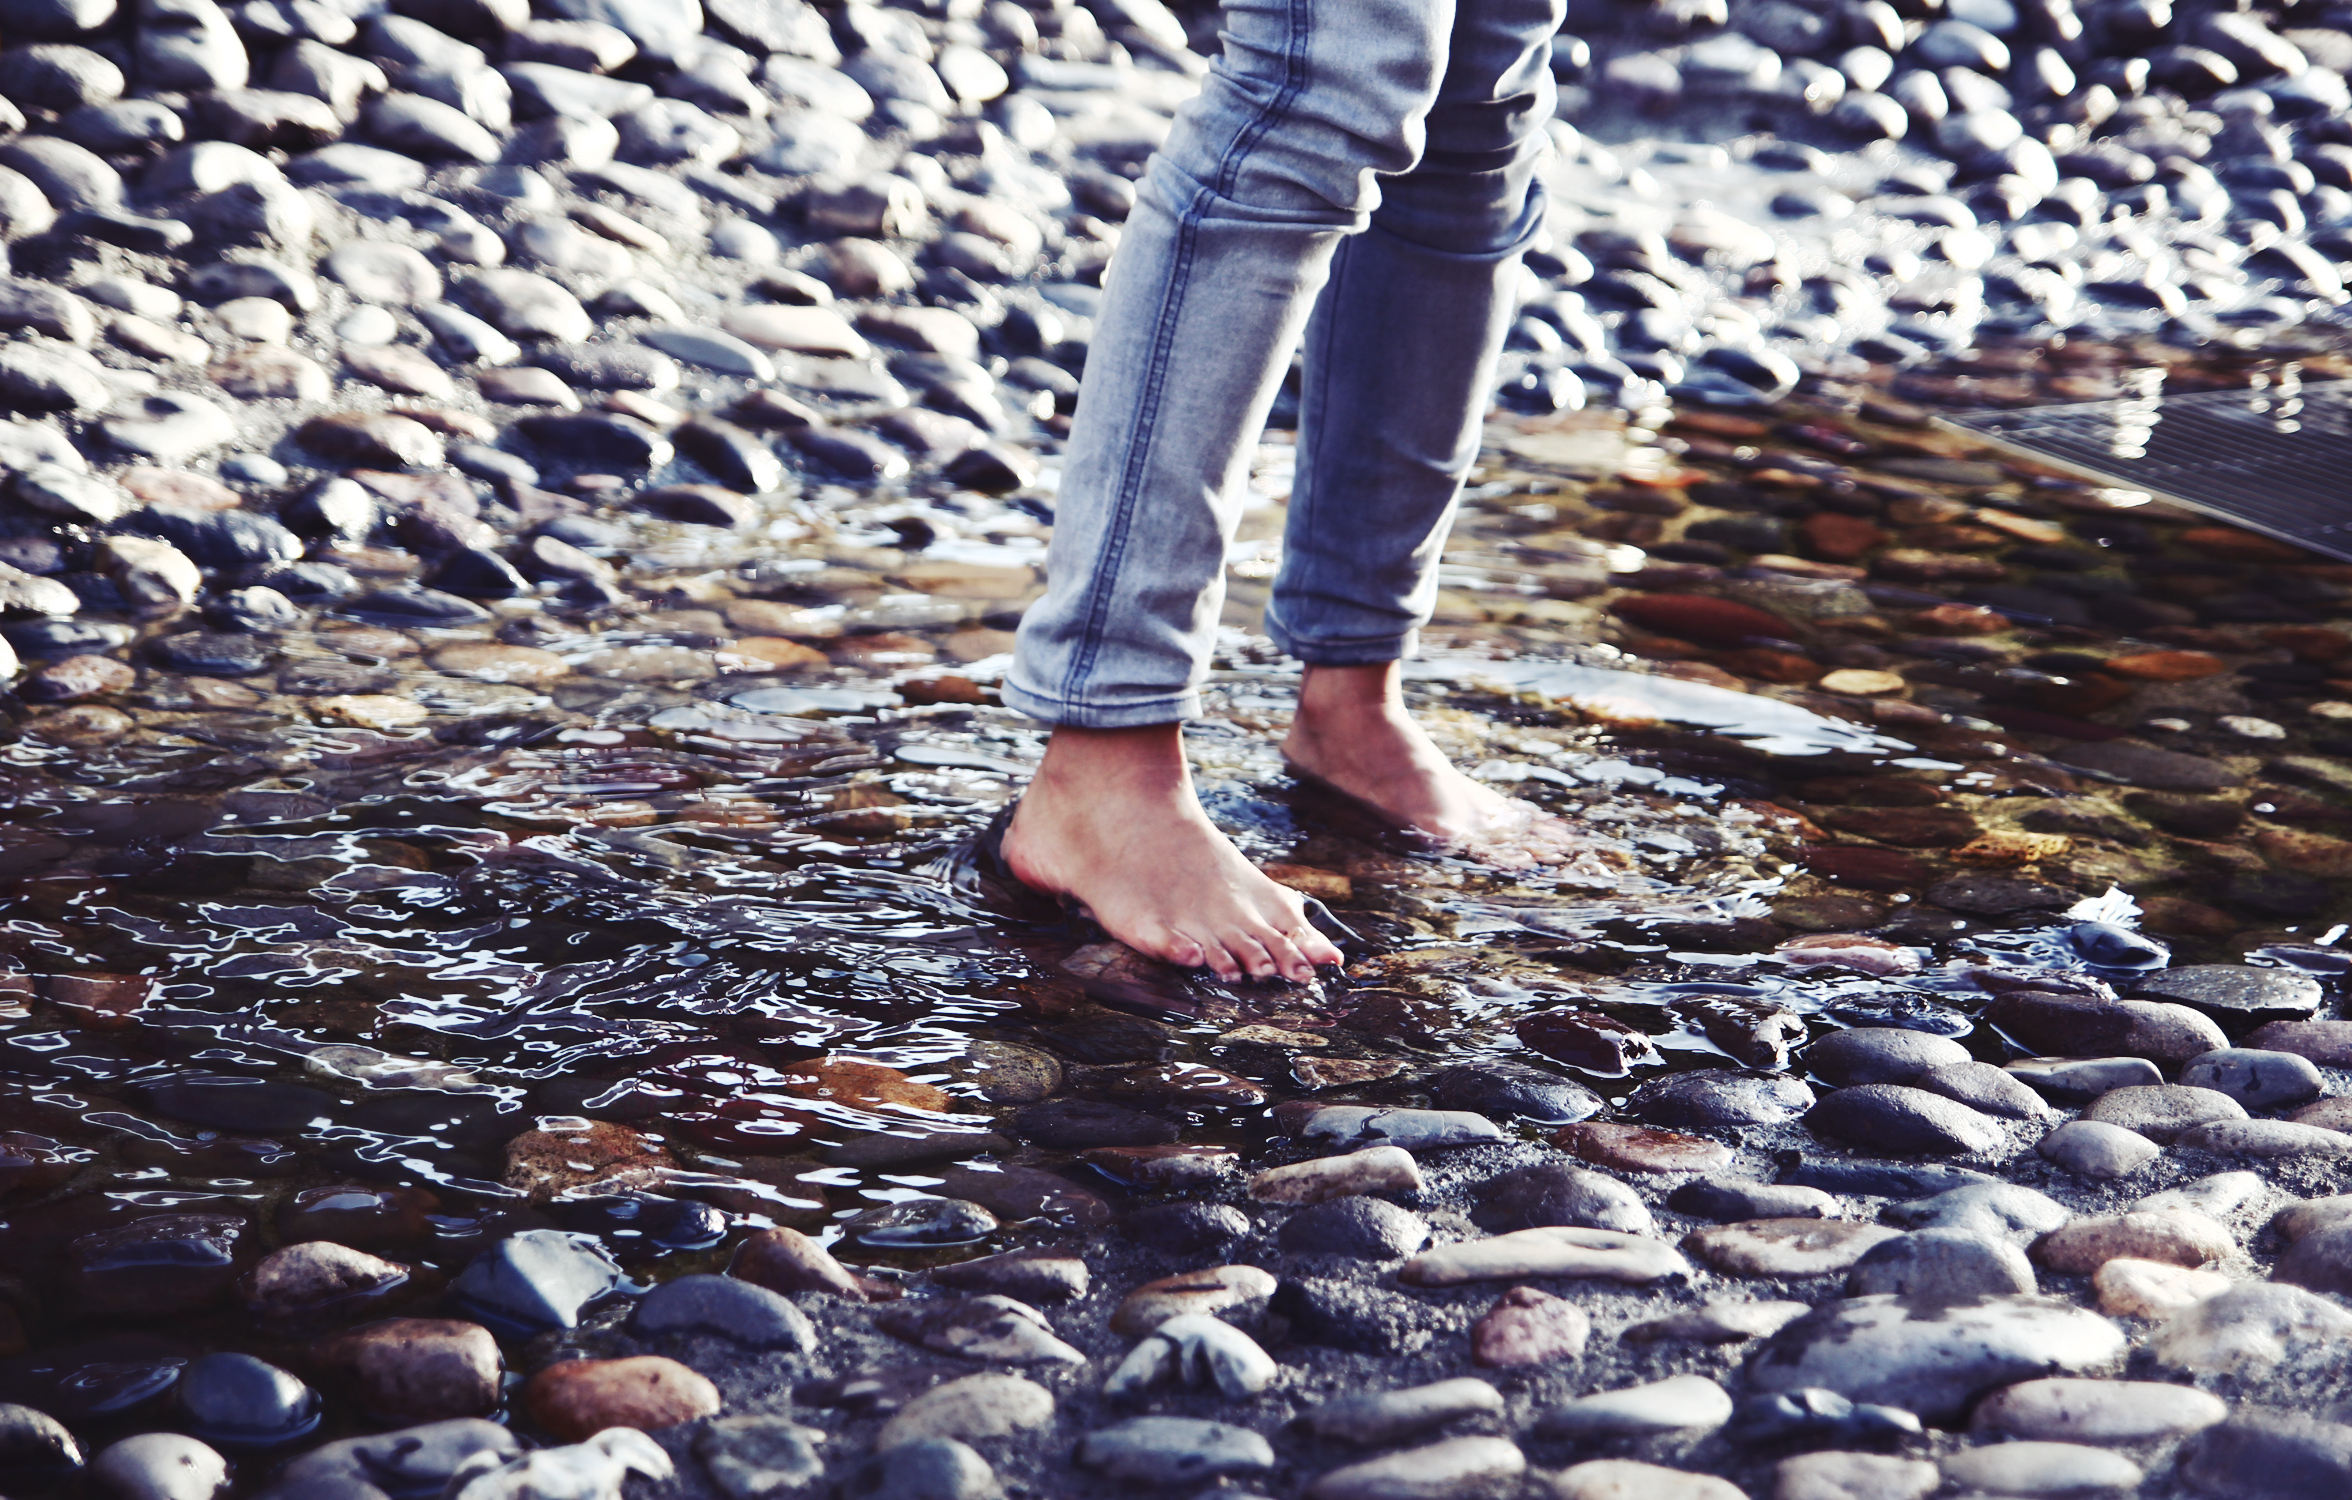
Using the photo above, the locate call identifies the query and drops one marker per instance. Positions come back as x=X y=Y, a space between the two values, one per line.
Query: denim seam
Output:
x=1107 y=568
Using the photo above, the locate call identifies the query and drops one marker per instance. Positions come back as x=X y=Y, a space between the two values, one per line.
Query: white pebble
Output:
x=367 y=325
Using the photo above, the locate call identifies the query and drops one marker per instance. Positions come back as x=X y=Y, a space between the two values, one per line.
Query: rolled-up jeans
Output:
x=1359 y=172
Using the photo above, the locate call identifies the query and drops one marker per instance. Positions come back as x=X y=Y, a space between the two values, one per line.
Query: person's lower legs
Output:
x=1400 y=357
x=1215 y=275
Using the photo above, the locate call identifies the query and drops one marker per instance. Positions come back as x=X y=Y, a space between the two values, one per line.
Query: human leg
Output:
x=1400 y=355
x=1264 y=174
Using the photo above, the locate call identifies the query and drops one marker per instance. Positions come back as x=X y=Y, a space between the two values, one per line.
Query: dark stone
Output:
x=1359 y=1228
x=479 y=573
x=1352 y=1315
x=2261 y=1454
x=254 y=611
x=535 y=1281
x=697 y=505
x=1015 y=1193
x=1719 y=1096
x=1876 y=1179
x=644 y=1222
x=412 y=606
x=54 y=639
x=312 y=583
x=1072 y=1124
x=1499 y=1086
x=1553 y=1193
x=733 y=456
x=2235 y=992
x=1186 y=1228
x=237 y=1401
x=227 y=1103
x=1889 y=1117
x=723 y=1307
x=212 y=653
x=1588 y=1040
x=159 y=1266
x=37 y=1446
x=1998 y=895
x=598 y=440
x=1817 y=1418
x=921 y=1222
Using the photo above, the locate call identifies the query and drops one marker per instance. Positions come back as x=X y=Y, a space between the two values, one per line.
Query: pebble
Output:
x=1412 y=1129
x=1529 y=1327
x=1719 y=1097
x=1624 y=1479
x=723 y=1307
x=972 y=1409
x=1641 y=1148
x=1456 y=1469
x=1785 y=1247
x=418 y=1369
x=2098 y=1411
x=1928 y=1357
x=929 y=1469
x=160 y=1466
x=1216 y=1290
x=2091 y=1148
x=2236 y=990
x=1174 y=1450
x=238 y=1402
x=2041 y=1468
x=579 y=1398
x=1023 y=1275
x=1554 y=1251
x=1391 y=1416
x=1553 y=1194
x=1877 y=1054
x=2162 y=1111
x=1726 y=1200
x=1194 y=1349
x=2152 y=1289
x=785 y=1260
x=536 y=1280
x=1854 y=1476
x=2270 y=1455
x=1679 y=1403
x=758 y=1456
x=1890 y=1117
x=985 y=1327
x=2265 y=1138
x=1378 y=1169
x=1942 y=1264
x=2250 y=1329
x=1359 y=1228
x=2180 y=1237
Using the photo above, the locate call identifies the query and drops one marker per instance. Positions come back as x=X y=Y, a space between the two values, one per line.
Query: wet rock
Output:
x=579 y=1398
x=753 y=1457
x=1073 y=1123
x=1932 y=1358
x=160 y=1466
x=537 y=1280
x=303 y=1280
x=785 y=1260
x=970 y=1410
x=1193 y=1349
x=2081 y=1079
x=724 y=1307
x=418 y=1369
x=1504 y=1088
x=1238 y=1290
x=2235 y=990
x=1719 y=1097
x=2091 y=1148
x=1529 y=1327
x=2250 y=1329
x=1380 y=1169
x=156 y=1267
x=37 y=1446
x=1412 y=1129
x=1174 y=1451
x=1187 y=1228
x=1027 y=1276
x=565 y=1156
x=1529 y=1254
x=2146 y=766
x=1890 y=1117
x=1785 y=1247
x=1391 y=1416
x=1458 y=1467
x=1635 y=1148
x=2162 y=1111
x=1624 y=1479
x=236 y=1401
x=2098 y=1411
x=985 y=1328
x=1879 y=1054
x=1587 y=1039
x=922 y=1222
x=1552 y=1194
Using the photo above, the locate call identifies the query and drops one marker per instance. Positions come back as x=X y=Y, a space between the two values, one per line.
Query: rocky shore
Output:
x=511 y=524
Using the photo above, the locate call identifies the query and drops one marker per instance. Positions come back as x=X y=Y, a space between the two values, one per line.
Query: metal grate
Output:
x=2274 y=458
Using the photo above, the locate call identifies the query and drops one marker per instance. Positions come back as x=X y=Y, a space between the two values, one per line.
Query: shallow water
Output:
x=255 y=954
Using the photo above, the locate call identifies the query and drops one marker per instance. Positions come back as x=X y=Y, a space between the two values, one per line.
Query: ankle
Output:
x=1147 y=761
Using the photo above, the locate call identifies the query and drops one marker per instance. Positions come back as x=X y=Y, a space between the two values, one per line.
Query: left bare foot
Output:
x=1353 y=732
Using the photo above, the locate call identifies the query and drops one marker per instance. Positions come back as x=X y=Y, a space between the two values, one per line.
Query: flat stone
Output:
x=1720 y=1097
x=2216 y=1196
x=2236 y=990
x=536 y=1280
x=2328 y=1043
x=1854 y=1476
x=1412 y=1129
x=1786 y=1247
x=1457 y=1469
x=1720 y=1322
x=1391 y=1416
x=1891 y=1117
x=1552 y=1194
x=2092 y=1148
x=725 y=1307
x=2256 y=1078
x=1985 y=1089
x=799 y=330
x=1557 y=1251
x=1210 y=1290
x=2271 y=1455
x=1725 y=1201
x=1641 y=1148
x=1501 y=1088
x=1529 y=1327
x=2098 y=1411
x=1933 y=1358
x=2037 y=1468
x=1380 y=1169
x=986 y=1328
x=1623 y=1479
x=2181 y=1237
x=2084 y=1025
x=1942 y=1264
x=1174 y=1451
x=2153 y=1288
x=1026 y=1275
x=970 y=1410
x=712 y=350
x=1679 y=1403
x=2146 y=766
x=2264 y=1138
x=758 y=1457
x=2251 y=1329
x=2162 y=1111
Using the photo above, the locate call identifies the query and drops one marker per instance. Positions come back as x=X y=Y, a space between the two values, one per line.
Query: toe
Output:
x=1289 y=961
x=1254 y=949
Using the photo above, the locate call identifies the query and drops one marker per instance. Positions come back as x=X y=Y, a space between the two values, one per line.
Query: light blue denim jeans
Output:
x=1357 y=172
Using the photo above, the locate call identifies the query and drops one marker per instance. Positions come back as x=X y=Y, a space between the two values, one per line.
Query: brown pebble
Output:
x=1529 y=1327
x=1642 y=1148
x=580 y=1398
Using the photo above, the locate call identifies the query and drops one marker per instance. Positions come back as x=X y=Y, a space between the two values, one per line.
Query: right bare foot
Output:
x=1111 y=821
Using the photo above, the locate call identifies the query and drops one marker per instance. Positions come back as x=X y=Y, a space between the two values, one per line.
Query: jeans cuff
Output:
x=1125 y=714
x=1361 y=651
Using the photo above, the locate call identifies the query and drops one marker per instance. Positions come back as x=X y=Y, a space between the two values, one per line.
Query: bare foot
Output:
x=1111 y=820
x=1353 y=732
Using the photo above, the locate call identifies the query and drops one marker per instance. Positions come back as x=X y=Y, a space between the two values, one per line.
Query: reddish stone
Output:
x=2312 y=643
x=1641 y=1148
x=1865 y=869
x=1586 y=1039
x=2240 y=546
x=2177 y=916
x=2092 y=692
x=2163 y=666
x=1765 y=664
x=1915 y=565
x=35 y=1164
x=1837 y=537
x=1529 y=1327
x=78 y=677
x=411 y=1370
x=1871 y=791
x=785 y=1260
x=2042 y=721
x=1959 y=619
x=580 y=1398
x=106 y=1002
x=1699 y=618
x=862 y=1085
